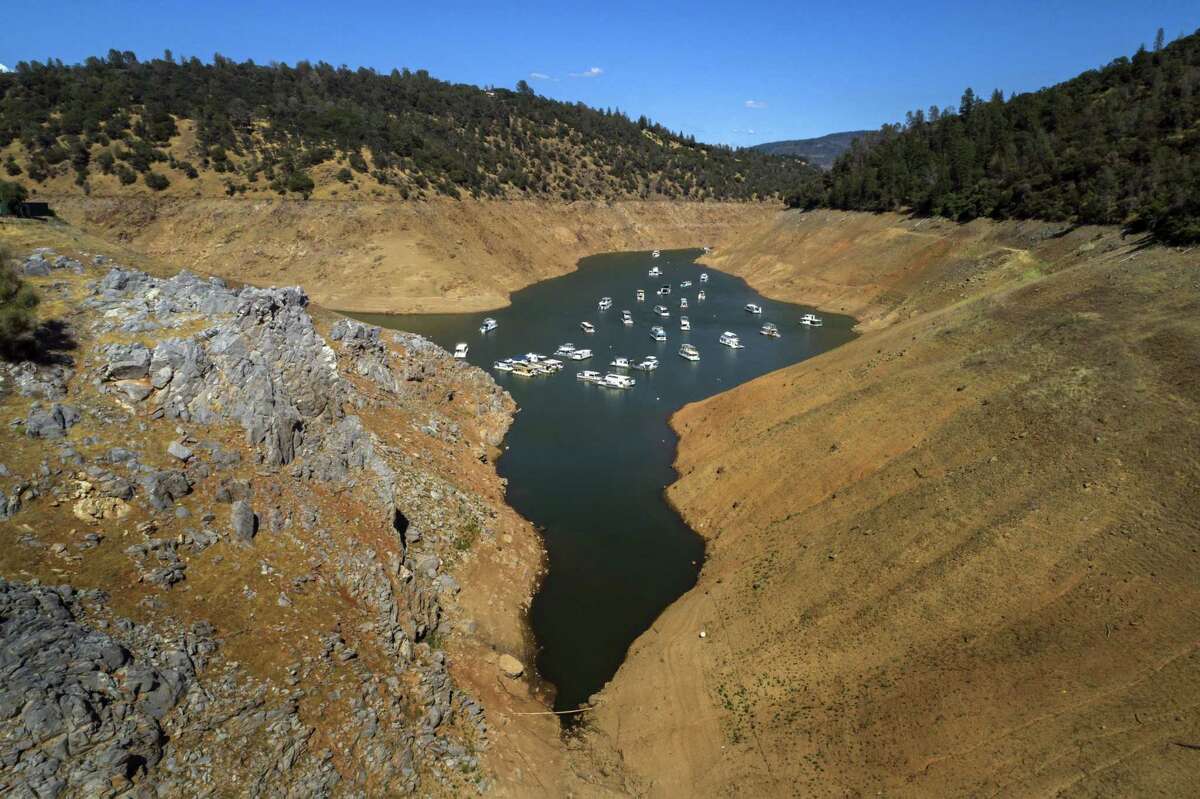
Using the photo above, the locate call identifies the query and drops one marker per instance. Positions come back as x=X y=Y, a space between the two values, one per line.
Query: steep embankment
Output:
x=957 y=556
x=397 y=257
x=281 y=558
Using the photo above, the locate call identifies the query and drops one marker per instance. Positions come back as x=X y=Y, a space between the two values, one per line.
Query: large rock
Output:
x=243 y=521
x=126 y=362
x=510 y=667
x=52 y=423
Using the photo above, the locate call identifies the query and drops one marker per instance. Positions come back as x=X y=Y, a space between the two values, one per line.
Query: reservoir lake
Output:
x=588 y=464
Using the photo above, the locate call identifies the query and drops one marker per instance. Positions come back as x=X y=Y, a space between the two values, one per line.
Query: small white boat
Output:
x=731 y=340
x=683 y=302
x=626 y=318
x=700 y=296
x=655 y=254
x=689 y=352
x=614 y=380
x=580 y=355
x=811 y=320
x=587 y=327
x=552 y=364
x=685 y=323
x=647 y=364
x=654 y=271
x=505 y=365
x=658 y=334
x=460 y=350
x=589 y=376
x=752 y=308
x=620 y=363
x=707 y=249
x=662 y=310
x=704 y=275
x=769 y=330
x=565 y=349
x=687 y=284
x=664 y=290
x=605 y=303
x=641 y=295
x=488 y=325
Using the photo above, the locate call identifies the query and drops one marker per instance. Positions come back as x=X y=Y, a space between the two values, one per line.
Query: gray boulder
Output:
x=52 y=423
x=243 y=521
x=126 y=362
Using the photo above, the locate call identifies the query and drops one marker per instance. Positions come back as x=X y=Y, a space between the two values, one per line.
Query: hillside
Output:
x=821 y=151
x=954 y=557
x=1118 y=146
x=119 y=125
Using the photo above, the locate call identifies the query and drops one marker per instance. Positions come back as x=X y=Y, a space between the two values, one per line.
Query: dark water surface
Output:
x=589 y=464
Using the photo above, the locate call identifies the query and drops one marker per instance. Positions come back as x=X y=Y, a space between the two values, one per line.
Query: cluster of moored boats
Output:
x=533 y=364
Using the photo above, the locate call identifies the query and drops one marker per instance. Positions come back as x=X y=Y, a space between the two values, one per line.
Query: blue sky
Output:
x=738 y=73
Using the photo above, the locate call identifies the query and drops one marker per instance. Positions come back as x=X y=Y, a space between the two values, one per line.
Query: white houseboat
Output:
x=752 y=308
x=689 y=352
x=658 y=334
x=614 y=380
x=685 y=323
x=460 y=350
x=731 y=340
x=488 y=325
x=655 y=254
x=641 y=295
x=700 y=296
x=605 y=303
x=654 y=271
x=811 y=320
x=505 y=365
x=587 y=327
x=704 y=277
x=662 y=310
x=683 y=302
x=769 y=330
x=626 y=318
x=580 y=355
x=589 y=376
x=620 y=363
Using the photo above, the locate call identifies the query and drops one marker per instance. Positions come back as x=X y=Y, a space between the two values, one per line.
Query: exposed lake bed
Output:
x=588 y=463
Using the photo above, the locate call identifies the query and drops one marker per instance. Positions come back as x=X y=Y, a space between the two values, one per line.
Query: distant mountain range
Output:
x=820 y=152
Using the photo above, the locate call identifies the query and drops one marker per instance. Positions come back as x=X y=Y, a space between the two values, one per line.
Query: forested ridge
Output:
x=1118 y=145
x=117 y=122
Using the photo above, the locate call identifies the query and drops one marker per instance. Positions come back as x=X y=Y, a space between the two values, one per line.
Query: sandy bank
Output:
x=956 y=556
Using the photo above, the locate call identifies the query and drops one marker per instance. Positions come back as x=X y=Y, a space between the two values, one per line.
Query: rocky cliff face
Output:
x=257 y=525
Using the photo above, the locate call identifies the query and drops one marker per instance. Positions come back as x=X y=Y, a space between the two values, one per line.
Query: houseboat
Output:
x=687 y=284
x=662 y=310
x=565 y=349
x=704 y=277
x=688 y=352
x=769 y=330
x=683 y=302
x=685 y=323
x=654 y=271
x=641 y=295
x=752 y=308
x=460 y=350
x=731 y=340
x=488 y=325
x=811 y=320
x=700 y=296
x=658 y=334
x=614 y=380
x=647 y=364
x=605 y=303
x=655 y=254
x=664 y=290
x=620 y=363
x=580 y=355
x=503 y=366
x=626 y=318
x=589 y=376
x=587 y=327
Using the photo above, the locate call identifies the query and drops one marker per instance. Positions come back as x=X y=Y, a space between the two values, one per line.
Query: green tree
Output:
x=156 y=181
x=11 y=197
x=299 y=182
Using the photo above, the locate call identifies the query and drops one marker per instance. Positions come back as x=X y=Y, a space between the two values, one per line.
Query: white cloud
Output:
x=756 y=103
x=4 y=68
x=539 y=76
x=591 y=72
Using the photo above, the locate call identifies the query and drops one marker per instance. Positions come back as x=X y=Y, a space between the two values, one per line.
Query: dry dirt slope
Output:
x=958 y=556
x=398 y=257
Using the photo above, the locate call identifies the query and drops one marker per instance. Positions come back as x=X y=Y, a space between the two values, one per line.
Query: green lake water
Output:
x=588 y=464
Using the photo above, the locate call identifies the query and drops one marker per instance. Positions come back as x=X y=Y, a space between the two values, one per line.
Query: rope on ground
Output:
x=556 y=712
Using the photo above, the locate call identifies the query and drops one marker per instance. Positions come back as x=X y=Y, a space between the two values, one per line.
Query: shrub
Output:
x=17 y=301
x=156 y=181
x=11 y=196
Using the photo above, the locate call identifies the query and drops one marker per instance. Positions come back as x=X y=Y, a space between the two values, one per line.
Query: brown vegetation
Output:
x=956 y=556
